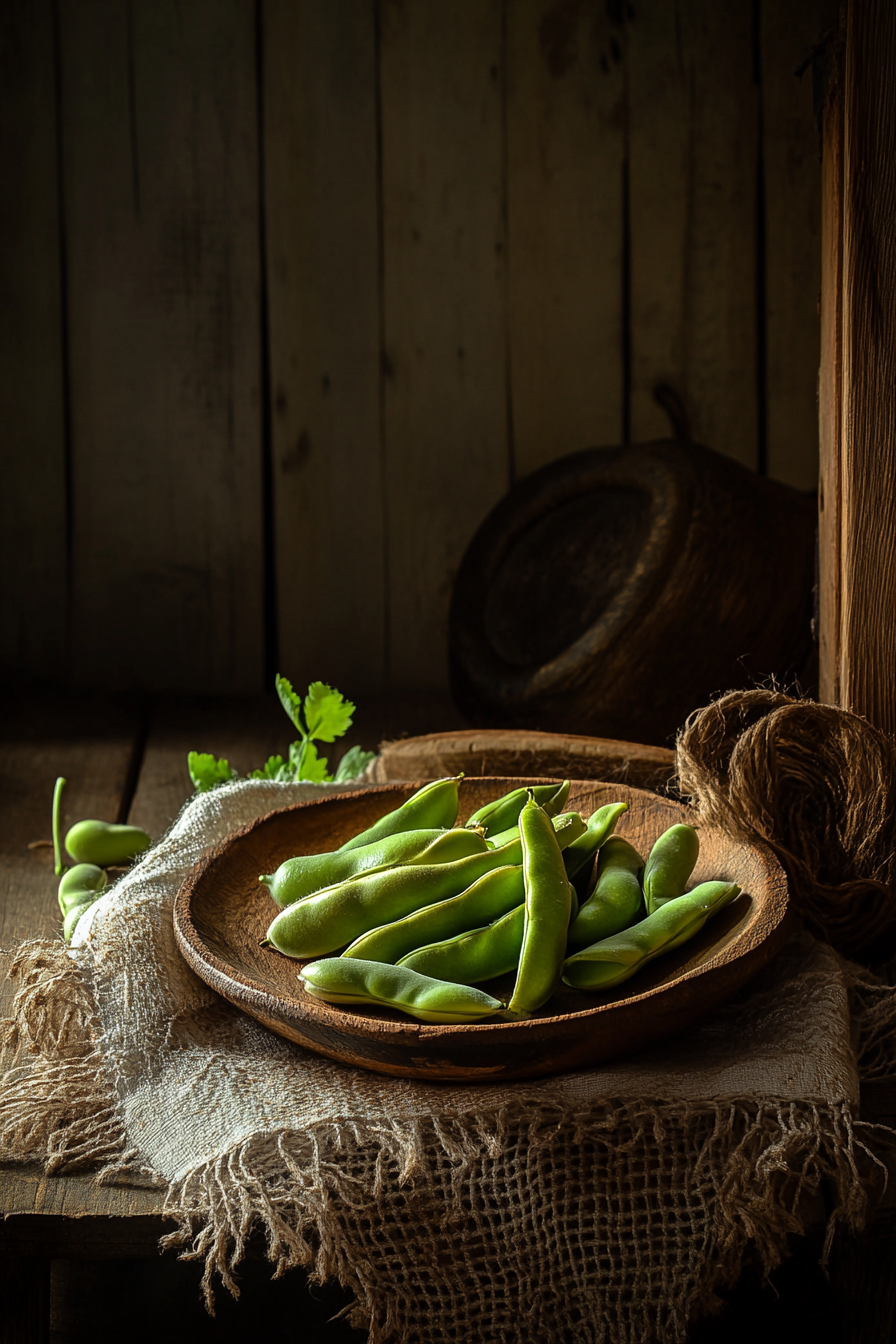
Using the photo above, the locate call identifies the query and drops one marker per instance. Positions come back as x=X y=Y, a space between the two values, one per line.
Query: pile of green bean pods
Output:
x=416 y=912
x=94 y=845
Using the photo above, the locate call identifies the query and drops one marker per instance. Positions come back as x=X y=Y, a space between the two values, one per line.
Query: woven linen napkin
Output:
x=607 y=1204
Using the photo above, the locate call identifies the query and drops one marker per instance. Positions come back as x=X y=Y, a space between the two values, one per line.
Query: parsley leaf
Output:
x=311 y=768
x=206 y=772
x=291 y=702
x=327 y=714
x=354 y=763
x=274 y=768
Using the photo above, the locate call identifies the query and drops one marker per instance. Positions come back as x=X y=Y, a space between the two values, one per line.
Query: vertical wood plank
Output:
x=830 y=388
x=444 y=310
x=324 y=320
x=565 y=154
x=32 y=499
x=161 y=201
x=868 y=424
x=791 y=153
x=693 y=118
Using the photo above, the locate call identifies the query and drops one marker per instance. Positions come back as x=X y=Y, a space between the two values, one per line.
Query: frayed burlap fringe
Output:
x=818 y=785
x=616 y=1223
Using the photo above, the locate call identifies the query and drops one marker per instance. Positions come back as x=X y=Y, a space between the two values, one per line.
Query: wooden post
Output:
x=857 y=388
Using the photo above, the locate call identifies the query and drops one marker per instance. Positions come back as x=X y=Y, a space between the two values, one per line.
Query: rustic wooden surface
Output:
x=103 y=1240
x=859 y=560
x=300 y=290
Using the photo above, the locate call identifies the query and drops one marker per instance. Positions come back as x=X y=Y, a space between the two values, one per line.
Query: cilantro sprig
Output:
x=320 y=716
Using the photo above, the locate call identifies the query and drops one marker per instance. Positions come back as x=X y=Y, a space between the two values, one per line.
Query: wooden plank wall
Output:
x=294 y=293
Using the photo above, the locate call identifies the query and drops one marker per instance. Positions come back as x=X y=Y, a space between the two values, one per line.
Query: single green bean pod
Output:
x=490 y=896
x=548 y=905
x=504 y=812
x=478 y=954
x=613 y=960
x=616 y=900
x=338 y=915
x=561 y=823
x=105 y=843
x=432 y=807
x=80 y=884
x=669 y=865
x=72 y=916
x=307 y=873
x=375 y=985
x=580 y=854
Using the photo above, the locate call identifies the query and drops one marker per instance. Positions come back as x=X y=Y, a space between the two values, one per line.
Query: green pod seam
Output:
x=82 y=883
x=616 y=900
x=432 y=807
x=373 y=984
x=669 y=865
x=105 y=843
x=613 y=960
x=577 y=858
x=72 y=916
x=548 y=905
x=490 y=896
x=306 y=874
x=504 y=812
x=570 y=827
x=478 y=954
x=338 y=915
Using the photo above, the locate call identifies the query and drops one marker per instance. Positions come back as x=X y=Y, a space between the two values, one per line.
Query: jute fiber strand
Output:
x=610 y=1204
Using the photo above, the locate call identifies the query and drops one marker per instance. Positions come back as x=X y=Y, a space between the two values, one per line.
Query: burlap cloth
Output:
x=609 y=1204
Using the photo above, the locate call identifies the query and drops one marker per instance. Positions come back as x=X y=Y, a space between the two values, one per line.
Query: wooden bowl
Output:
x=222 y=913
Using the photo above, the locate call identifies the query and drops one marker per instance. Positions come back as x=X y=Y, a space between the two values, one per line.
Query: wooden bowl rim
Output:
x=202 y=958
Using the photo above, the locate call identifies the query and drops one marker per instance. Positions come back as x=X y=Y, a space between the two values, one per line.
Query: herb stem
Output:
x=57 y=840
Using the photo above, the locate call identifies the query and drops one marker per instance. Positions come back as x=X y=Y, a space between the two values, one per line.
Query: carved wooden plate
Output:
x=222 y=914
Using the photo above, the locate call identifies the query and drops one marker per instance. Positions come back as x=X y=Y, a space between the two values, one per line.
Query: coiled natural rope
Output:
x=818 y=785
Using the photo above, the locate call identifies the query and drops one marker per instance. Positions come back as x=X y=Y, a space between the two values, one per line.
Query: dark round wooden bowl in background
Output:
x=617 y=589
x=222 y=913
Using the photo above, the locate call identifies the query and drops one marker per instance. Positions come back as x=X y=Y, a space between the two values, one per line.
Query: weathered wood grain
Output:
x=791 y=167
x=322 y=243
x=565 y=158
x=446 y=458
x=693 y=120
x=161 y=205
x=868 y=422
x=33 y=512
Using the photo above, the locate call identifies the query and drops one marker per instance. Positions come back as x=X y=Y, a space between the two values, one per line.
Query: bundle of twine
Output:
x=818 y=785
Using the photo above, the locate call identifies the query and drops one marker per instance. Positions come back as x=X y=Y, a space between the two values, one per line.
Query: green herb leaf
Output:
x=206 y=772
x=291 y=702
x=311 y=768
x=327 y=714
x=354 y=762
x=274 y=768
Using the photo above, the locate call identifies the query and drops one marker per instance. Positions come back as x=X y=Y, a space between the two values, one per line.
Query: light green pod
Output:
x=504 y=812
x=547 y=911
x=375 y=985
x=432 y=807
x=478 y=954
x=578 y=857
x=307 y=873
x=105 y=843
x=72 y=916
x=338 y=915
x=569 y=826
x=616 y=900
x=489 y=897
x=613 y=960
x=80 y=884
x=669 y=865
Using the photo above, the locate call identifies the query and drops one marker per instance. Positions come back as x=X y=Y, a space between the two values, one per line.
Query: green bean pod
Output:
x=105 y=843
x=307 y=873
x=72 y=916
x=613 y=960
x=669 y=865
x=504 y=812
x=577 y=858
x=338 y=915
x=489 y=897
x=616 y=900
x=548 y=905
x=81 y=884
x=478 y=954
x=432 y=807
x=373 y=984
